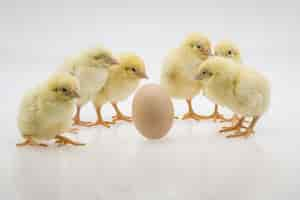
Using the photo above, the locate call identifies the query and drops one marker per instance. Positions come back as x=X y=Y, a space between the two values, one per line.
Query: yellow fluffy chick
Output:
x=91 y=69
x=46 y=111
x=180 y=67
x=243 y=90
x=227 y=49
x=123 y=79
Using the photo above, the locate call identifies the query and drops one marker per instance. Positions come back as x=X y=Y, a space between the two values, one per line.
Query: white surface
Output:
x=194 y=161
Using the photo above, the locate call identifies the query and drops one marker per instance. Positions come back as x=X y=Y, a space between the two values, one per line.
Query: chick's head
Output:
x=132 y=66
x=216 y=66
x=63 y=87
x=228 y=49
x=198 y=44
x=99 y=57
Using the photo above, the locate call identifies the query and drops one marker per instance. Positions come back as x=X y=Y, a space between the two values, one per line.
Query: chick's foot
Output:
x=76 y=118
x=195 y=116
x=191 y=114
x=78 y=122
x=246 y=133
x=74 y=130
x=101 y=123
x=61 y=140
x=215 y=116
x=121 y=117
x=30 y=142
x=234 y=119
x=238 y=126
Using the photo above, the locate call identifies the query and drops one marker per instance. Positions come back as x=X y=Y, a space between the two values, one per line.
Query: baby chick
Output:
x=46 y=111
x=91 y=69
x=123 y=79
x=180 y=67
x=227 y=49
x=243 y=90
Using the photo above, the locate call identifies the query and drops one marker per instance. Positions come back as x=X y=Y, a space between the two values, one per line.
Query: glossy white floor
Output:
x=193 y=161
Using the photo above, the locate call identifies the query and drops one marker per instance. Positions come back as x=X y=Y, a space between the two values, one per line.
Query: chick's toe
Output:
x=30 y=142
x=101 y=123
x=191 y=113
x=61 y=140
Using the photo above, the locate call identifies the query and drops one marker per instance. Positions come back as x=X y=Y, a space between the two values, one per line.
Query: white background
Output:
x=193 y=161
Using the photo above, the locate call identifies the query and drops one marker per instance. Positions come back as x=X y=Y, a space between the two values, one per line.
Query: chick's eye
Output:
x=64 y=89
x=133 y=69
x=98 y=57
x=229 y=52
x=198 y=46
x=204 y=72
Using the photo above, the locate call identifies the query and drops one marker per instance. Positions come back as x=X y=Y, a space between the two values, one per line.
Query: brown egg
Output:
x=152 y=111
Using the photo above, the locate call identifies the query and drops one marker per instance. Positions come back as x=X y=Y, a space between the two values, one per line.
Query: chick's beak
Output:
x=198 y=77
x=114 y=61
x=142 y=75
x=74 y=94
x=209 y=53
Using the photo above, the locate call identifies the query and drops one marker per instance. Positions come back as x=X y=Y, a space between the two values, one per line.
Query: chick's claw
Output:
x=217 y=116
x=192 y=115
x=61 y=140
x=30 y=142
x=74 y=130
x=41 y=145
x=81 y=123
x=248 y=132
x=22 y=144
x=238 y=126
x=101 y=123
x=234 y=119
x=121 y=117
x=231 y=128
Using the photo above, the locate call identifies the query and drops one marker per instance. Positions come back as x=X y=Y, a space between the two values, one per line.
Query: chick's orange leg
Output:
x=234 y=119
x=249 y=130
x=76 y=119
x=100 y=121
x=191 y=114
x=119 y=115
x=237 y=126
x=61 y=140
x=30 y=142
x=73 y=130
x=216 y=115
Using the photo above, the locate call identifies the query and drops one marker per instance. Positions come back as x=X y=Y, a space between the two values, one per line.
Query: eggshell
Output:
x=152 y=111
